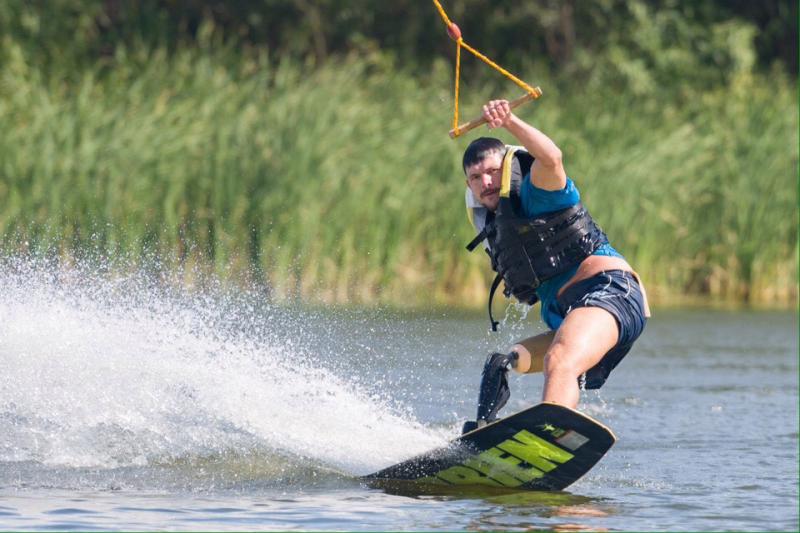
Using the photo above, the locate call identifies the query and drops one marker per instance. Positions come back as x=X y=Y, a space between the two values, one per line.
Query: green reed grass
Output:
x=339 y=182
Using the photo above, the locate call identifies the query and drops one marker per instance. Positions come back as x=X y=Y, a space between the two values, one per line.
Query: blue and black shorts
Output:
x=618 y=292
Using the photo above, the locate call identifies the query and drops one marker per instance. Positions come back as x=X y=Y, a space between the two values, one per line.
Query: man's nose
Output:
x=487 y=180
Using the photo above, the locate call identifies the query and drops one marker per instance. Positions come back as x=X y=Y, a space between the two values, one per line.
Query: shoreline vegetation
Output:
x=337 y=182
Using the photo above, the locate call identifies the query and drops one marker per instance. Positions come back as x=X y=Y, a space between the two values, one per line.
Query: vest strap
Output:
x=479 y=239
x=496 y=283
x=561 y=242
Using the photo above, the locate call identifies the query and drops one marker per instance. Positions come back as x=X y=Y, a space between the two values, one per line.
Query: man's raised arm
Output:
x=547 y=171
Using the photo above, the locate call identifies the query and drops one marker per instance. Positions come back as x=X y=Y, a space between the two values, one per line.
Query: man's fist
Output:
x=496 y=113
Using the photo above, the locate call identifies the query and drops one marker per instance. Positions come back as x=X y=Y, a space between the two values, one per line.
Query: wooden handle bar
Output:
x=472 y=124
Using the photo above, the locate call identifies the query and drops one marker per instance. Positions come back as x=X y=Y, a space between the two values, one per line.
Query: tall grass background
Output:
x=339 y=182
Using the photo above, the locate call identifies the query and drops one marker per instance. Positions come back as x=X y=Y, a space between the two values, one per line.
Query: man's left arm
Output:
x=547 y=171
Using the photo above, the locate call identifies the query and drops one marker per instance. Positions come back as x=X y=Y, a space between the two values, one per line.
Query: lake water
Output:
x=128 y=407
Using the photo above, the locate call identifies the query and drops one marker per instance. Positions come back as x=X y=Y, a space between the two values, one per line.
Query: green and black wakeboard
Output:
x=545 y=447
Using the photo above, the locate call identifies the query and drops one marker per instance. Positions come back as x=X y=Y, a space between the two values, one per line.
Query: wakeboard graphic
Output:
x=545 y=447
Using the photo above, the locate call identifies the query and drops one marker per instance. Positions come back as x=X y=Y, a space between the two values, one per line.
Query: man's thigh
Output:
x=584 y=337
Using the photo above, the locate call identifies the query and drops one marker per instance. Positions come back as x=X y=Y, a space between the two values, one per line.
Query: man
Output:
x=546 y=247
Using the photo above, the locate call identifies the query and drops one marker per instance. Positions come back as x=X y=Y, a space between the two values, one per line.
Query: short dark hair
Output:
x=480 y=149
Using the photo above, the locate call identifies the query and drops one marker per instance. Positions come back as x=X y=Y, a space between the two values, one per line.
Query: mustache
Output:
x=489 y=191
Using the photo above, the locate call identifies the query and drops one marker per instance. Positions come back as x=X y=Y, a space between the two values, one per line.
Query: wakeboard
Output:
x=545 y=447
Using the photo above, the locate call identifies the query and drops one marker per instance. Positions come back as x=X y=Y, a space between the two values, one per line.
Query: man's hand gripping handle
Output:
x=474 y=123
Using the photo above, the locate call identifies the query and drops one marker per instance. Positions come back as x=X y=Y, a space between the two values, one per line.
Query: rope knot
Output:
x=454 y=32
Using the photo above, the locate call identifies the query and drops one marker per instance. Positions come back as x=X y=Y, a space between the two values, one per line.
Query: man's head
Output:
x=483 y=163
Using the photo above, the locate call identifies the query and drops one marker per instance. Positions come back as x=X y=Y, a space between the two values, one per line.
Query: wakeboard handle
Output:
x=474 y=123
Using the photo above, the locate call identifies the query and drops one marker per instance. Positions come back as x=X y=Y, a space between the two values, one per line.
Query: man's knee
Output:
x=558 y=360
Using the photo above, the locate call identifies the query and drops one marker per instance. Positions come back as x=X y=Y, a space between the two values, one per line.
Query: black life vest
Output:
x=528 y=251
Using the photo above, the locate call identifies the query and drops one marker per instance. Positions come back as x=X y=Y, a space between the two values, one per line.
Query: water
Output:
x=126 y=406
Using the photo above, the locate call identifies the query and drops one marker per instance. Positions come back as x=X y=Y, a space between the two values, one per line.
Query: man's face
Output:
x=483 y=179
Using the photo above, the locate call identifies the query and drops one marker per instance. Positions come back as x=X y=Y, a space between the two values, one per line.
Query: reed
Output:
x=339 y=182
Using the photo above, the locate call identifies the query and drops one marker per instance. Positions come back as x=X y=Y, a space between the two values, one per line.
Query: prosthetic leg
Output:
x=525 y=357
x=494 y=391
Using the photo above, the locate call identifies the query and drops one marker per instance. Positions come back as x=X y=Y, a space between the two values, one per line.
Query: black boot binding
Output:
x=494 y=392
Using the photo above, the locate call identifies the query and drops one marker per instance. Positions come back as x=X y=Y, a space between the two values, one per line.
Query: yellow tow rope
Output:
x=455 y=33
